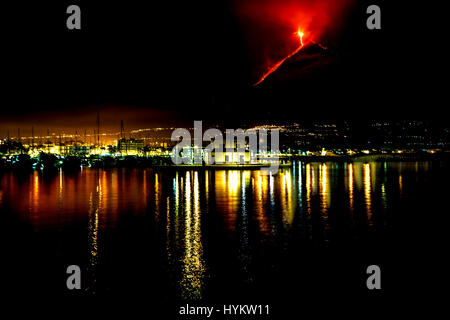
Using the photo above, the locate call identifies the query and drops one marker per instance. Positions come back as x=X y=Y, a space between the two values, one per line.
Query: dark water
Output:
x=215 y=236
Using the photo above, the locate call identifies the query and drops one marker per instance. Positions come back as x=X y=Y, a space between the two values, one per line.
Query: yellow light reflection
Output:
x=300 y=191
x=207 y=190
x=233 y=182
x=33 y=208
x=176 y=193
x=368 y=191
x=259 y=190
x=323 y=191
x=246 y=179
x=168 y=247
x=228 y=199
x=157 y=197
x=383 y=195
x=308 y=187
x=313 y=179
x=287 y=205
x=350 y=186
x=95 y=205
x=193 y=268
x=105 y=190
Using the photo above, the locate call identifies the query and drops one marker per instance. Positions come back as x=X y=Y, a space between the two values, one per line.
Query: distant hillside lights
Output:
x=239 y=148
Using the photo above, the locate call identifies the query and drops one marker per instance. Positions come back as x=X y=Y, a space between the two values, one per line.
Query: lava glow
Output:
x=277 y=65
x=266 y=25
x=300 y=35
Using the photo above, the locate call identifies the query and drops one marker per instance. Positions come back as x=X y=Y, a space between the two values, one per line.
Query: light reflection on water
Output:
x=193 y=267
x=368 y=192
x=350 y=184
x=252 y=208
x=95 y=206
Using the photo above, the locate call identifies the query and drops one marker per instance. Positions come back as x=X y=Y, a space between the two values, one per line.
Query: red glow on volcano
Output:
x=300 y=35
x=268 y=26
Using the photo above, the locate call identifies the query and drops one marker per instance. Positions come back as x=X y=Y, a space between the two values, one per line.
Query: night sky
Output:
x=165 y=62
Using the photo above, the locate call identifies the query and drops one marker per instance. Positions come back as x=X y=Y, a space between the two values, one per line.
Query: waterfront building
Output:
x=127 y=147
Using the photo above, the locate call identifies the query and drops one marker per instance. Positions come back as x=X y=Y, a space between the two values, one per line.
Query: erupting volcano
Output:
x=300 y=35
x=269 y=25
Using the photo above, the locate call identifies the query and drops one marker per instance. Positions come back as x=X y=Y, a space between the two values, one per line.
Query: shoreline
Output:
x=74 y=163
x=376 y=157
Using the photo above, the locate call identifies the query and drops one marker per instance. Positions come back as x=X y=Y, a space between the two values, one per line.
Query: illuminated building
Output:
x=74 y=150
x=234 y=156
x=130 y=147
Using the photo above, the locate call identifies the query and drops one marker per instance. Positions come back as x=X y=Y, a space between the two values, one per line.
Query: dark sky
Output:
x=167 y=61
